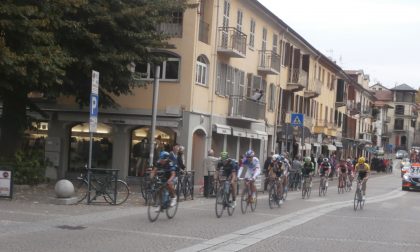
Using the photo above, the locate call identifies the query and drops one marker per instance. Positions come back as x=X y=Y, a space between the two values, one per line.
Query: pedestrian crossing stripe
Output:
x=297 y=121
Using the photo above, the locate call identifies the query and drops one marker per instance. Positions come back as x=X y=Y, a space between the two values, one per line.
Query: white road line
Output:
x=253 y=234
x=372 y=218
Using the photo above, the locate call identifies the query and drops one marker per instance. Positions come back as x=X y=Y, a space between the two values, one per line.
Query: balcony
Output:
x=352 y=108
x=320 y=126
x=400 y=128
x=297 y=79
x=244 y=108
x=232 y=42
x=313 y=89
x=366 y=112
x=171 y=29
x=268 y=62
x=365 y=136
x=203 y=32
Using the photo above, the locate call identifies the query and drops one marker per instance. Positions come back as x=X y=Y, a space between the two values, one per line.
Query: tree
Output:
x=51 y=47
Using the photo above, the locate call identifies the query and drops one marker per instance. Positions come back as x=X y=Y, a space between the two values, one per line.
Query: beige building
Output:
x=234 y=77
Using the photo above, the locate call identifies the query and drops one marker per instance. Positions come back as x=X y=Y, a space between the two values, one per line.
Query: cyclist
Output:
x=363 y=170
x=165 y=165
x=308 y=168
x=276 y=171
x=350 y=170
x=342 y=171
x=325 y=169
x=229 y=168
x=253 y=170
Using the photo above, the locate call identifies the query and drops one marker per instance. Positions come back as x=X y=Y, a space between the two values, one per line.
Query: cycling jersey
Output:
x=364 y=168
x=228 y=166
x=276 y=168
x=325 y=166
x=167 y=167
x=307 y=169
x=253 y=167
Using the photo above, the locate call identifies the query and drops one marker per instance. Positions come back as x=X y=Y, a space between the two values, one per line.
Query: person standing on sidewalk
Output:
x=210 y=176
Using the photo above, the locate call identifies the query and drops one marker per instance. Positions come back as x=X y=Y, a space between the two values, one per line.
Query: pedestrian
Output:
x=209 y=164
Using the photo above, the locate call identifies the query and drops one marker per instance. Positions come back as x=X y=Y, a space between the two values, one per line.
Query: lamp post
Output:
x=154 y=112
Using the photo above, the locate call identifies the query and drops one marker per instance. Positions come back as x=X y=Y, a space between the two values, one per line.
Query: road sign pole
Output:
x=93 y=120
x=302 y=140
x=154 y=112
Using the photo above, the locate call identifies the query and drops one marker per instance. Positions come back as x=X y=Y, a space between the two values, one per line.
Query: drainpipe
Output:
x=210 y=135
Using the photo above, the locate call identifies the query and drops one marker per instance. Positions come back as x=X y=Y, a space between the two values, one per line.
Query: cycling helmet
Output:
x=361 y=160
x=275 y=157
x=281 y=158
x=164 y=155
x=308 y=159
x=250 y=153
x=224 y=155
x=348 y=160
x=325 y=159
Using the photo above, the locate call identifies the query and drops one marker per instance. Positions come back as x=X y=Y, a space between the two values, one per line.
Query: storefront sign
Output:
x=5 y=184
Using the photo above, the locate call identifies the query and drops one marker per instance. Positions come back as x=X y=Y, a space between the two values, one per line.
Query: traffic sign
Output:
x=296 y=120
x=95 y=82
x=94 y=102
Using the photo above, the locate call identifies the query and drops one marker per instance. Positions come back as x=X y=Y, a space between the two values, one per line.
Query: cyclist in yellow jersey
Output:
x=362 y=170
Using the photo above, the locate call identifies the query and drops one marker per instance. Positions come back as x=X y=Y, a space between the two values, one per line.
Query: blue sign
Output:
x=296 y=120
x=94 y=104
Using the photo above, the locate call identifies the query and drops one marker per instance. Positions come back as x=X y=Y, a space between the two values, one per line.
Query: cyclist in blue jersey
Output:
x=165 y=165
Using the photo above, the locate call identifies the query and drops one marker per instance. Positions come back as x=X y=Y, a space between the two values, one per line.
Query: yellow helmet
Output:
x=361 y=160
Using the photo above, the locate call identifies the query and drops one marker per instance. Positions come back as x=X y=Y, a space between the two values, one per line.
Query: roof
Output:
x=403 y=87
x=383 y=95
x=379 y=85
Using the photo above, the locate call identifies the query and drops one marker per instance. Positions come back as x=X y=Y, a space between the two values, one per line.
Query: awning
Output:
x=332 y=147
x=316 y=145
x=222 y=129
x=262 y=135
x=338 y=144
x=238 y=132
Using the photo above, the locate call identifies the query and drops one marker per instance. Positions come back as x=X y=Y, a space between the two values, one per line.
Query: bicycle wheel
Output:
x=80 y=189
x=254 y=203
x=244 y=200
x=153 y=202
x=122 y=192
x=220 y=203
x=285 y=193
x=303 y=189
x=362 y=203
x=308 y=192
x=356 y=201
x=171 y=211
x=230 y=209
x=272 y=196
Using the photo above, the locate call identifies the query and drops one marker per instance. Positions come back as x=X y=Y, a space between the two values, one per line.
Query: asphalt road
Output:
x=389 y=222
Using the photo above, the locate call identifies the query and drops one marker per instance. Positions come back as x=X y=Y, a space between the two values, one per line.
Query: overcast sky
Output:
x=381 y=37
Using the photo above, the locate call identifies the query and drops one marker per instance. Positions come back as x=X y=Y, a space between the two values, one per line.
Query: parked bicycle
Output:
x=186 y=184
x=306 y=187
x=246 y=197
x=323 y=186
x=105 y=183
x=224 y=198
x=359 y=202
x=158 y=200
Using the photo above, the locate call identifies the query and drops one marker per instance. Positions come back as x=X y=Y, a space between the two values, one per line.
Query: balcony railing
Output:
x=353 y=108
x=366 y=112
x=268 y=62
x=241 y=107
x=232 y=42
x=203 y=32
x=401 y=128
x=313 y=89
x=297 y=79
x=171 y=29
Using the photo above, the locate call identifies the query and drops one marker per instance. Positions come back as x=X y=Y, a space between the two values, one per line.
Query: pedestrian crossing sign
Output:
x=296 y=120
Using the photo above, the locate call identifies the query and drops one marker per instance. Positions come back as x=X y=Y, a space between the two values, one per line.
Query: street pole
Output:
x=154 y=112
x=302 y=140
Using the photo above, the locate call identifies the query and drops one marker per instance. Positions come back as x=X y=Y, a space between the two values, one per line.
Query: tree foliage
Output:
x=51 y=47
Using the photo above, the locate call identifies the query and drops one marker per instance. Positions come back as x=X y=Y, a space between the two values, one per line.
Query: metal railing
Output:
x=171 y=29
x=231 y=39
x=297 y=76
x=203 y=32
x=268 y=61
x=240 y=106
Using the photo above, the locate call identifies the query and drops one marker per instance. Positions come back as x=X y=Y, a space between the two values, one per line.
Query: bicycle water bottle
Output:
x=226 y=187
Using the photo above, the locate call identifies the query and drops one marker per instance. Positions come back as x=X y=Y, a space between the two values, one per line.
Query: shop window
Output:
x=140 y=147
x=79 y=147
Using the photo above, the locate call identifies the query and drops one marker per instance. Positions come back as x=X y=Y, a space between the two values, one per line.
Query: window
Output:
x=230 y=81
x=275 y=38
x=226 y=11
x=323 y=76
x=169 y=69
x=252 y=34
x=282 y=52
x=399 y=124
x=202 y=70
x=254 y=83
x=264 y=39
x=328 y=80
x=272 y=97
x=399 y=109
x=239 y=20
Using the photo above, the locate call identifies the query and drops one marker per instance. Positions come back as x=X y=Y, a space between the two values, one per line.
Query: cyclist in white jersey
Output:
x=252 y=165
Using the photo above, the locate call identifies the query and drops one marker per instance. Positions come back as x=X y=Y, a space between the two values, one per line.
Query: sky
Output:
x=380 y=37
